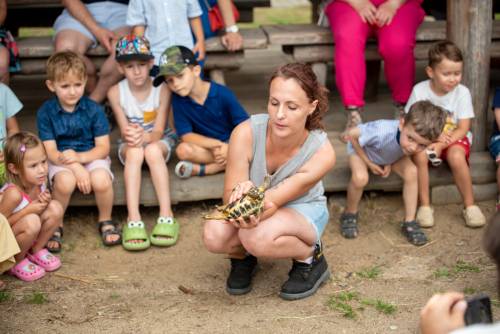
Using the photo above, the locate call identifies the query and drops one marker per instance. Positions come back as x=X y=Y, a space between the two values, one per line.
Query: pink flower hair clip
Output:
x=22 y=149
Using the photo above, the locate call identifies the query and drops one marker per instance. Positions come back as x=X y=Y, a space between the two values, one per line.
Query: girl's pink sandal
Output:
x=45 y=260
x=27 y=271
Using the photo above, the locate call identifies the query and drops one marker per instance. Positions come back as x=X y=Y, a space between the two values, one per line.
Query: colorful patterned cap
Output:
x=133 y=47
x=173 y=61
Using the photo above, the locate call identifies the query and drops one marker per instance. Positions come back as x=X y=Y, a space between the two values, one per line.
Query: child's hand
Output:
x=386 y=12
x=220 y=154
x=45 y=197
x=386 y=171
x=68 y=157
x=82 y=179
x=200 y=48
x=445 y=138
x=37 y=207
x=437 y=147
x=376 y=169
x=366 y=10
x=134 y=135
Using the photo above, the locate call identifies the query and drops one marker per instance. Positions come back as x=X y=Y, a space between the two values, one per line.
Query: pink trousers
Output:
x=396 y=42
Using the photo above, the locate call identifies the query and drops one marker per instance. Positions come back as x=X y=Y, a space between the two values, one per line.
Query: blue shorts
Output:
x=107 y=14
x=494 y=146
x=315 y=213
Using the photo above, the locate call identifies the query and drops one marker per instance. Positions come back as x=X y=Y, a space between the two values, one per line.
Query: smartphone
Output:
x=478 y=310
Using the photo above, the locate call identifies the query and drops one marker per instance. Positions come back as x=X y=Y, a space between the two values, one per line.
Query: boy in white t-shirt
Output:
x=444 y=90
x=141 y=113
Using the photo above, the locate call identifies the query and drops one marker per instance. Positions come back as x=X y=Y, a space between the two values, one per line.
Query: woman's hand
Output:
x=365 y=9
x=232 y=41
x=239 y=190
x=386 y=12
x=253 y=221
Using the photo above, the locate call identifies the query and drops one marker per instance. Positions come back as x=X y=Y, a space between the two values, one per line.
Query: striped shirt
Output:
x=379 y=141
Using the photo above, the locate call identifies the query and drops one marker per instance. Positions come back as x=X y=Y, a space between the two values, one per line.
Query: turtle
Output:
x=251 y=203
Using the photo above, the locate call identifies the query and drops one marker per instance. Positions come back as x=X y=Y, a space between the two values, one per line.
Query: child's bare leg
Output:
x=498 y=178
x=407 y=170
x=51 y=219
x=198 y=155
x=359 y=179
x=64 y=185
x=155 y=154
x=461 y=173
x=422 y=164
x=103 y=190
x=26 y=231
x=134 y=157
x=4 y=65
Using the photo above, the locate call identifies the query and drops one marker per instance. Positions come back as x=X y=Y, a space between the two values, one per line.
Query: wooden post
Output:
x=469 y=25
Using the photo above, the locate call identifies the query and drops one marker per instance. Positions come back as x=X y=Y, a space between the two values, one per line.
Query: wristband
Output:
x=232 y=28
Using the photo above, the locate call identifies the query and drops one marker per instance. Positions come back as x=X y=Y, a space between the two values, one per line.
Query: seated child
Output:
x=444 y=90
x=141 y=113
x=205 y=114
x=494 y=145
x=9 y=107
x=27 y=204
x=8 y=248
x=167 y=23
x=75 y=133
x=384 y=146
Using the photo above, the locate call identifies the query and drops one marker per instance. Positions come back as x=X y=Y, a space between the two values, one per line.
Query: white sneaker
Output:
x=473 y=216
x=425 y=216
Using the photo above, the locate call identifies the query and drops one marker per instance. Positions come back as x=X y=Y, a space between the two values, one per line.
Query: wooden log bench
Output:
x=34 y=51
x=313 y=44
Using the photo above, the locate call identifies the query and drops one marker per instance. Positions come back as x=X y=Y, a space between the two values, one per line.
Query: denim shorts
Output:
x=315 y=213
x=107 y=14
x=494 y=146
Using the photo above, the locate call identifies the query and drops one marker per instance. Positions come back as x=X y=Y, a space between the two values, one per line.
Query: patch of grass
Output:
x=35 y=32
x=276 y=15
x=114 y=295
x=4 y=296
x=37 y=298
x=462 y=267
x=346 y=296
x=380 y=305
x=344 y=308
x=442 y=272
x=469 y=291
x=495 y=302
x=370 y=273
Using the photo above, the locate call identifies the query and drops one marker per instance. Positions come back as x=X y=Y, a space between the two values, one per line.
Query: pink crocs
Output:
x=45 y=260
x=27 y=271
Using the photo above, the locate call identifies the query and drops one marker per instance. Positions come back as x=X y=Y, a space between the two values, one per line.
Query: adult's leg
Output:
x=134 y=157
x=396 y=42
x=108 y=74
x=407 y=170
x=72 y=40
x=155 y=154
x=222 y=238
x=286 y=234
x=359 y=179
x=4 y=65
x=350 y=34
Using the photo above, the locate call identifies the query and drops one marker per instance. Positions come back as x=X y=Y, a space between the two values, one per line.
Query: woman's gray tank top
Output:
x=258 y=166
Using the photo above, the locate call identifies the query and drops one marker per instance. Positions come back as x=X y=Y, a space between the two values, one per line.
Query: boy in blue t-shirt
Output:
x=494 y=145
x=205 y=114
x=75 y=134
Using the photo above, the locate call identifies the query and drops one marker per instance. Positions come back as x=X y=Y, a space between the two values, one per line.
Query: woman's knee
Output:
x=64 y=183
x=395 y=46
x=256 y=242
x=100 y=180
x=215 y=237
x=184 y=151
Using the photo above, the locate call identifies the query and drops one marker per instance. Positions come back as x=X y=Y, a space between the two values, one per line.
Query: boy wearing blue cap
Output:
x=141 y=112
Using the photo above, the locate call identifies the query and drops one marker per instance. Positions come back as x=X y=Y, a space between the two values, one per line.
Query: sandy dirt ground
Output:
x=181 y=289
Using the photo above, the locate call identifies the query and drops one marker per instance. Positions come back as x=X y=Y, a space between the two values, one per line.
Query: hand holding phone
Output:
x=478 y=310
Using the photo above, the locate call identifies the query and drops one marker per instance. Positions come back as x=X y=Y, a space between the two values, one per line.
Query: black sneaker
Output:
x=239 y=281
x=304 y=279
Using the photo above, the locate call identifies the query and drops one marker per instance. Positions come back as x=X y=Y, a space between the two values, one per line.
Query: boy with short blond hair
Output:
x=205 y=114
x=444 y=89
x=385 y=145
x=75 y=133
